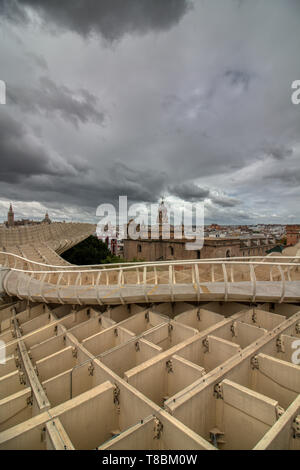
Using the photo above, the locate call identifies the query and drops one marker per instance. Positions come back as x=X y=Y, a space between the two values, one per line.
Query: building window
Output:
x=198 y=254
x=139 y=248
x=171 y=250
x=228 y=254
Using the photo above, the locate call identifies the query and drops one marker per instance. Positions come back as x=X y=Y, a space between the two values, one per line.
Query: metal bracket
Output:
x=233 y=329
x=22 y=378
x=55 y=330
x=158 y=428
x=91 y=369
x=30 y=400
x=279 y=411
x=218 y=391
x=170 y=328
x=164 y=399
x=17 y=362
x=116 y=332
x=43 y=435
x=169 y=366
x=205 y=344
x=280 y=345
x=216 y=437
x=137 y=346
x=254 y=363
x=147 y=316
x=254 y=317
x=116 y=395
x=296 y=427
x=74 y=352
x=198 y=314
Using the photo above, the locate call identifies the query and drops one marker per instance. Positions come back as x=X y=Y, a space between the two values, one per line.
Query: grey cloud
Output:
x=112 y=19
x=74 y=106
x=193 y=193
x=137 y=184
x=207 y=101
x=278 y=152
x=19 y=156
x=22 y=156
x=38 y=60
x=189 y=192
x=13 y=11
x=289 y=176
x=225 y=201
x=238 y=78
x=89 y=189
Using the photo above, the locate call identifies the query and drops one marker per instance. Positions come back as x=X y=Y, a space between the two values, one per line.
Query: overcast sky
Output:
x=187 y=99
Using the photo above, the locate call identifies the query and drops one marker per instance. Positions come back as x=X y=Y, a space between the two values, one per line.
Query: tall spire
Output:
x=162 y=217
x=46 y=219
x=10 y=217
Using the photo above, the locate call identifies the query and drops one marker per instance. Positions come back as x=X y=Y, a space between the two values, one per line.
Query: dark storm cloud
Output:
x=189 y=192
x=13 y=11
x=74 y=106
x=88 y=189
x=288 y=176
x=200 y=112
x=194 y=193
x=38 y=60
x=19 y=156
x=111 y=18
x=137 y=184
x=22 y=156
x=237 y=78
x=225 y=201
x=278 y=152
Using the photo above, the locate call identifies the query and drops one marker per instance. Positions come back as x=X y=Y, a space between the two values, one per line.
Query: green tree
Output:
x=89 y=251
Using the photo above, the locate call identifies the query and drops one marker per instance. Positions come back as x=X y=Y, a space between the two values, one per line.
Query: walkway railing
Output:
x=170 y=278
x=12 y=260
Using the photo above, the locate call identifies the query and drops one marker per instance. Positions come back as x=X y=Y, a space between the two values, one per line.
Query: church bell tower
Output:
x=10 y=217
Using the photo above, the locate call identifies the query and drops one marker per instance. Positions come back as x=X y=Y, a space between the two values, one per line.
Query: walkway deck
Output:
x=148 y=282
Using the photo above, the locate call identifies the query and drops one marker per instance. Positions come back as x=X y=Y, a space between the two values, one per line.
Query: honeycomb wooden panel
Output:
x=199 y=391
x=182 y=355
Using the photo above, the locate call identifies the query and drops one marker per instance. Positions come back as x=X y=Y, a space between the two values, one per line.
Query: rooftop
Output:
x=171 y=355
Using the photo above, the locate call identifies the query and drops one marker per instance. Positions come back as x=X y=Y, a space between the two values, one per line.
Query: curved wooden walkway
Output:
x=256 y=279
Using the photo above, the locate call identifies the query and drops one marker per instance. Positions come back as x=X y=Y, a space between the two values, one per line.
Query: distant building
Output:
x=21 y=222
x=46 y=219
x=10 y=217
x=165 y=245
x=214 y=227
x=292 y=234
x=11 y=222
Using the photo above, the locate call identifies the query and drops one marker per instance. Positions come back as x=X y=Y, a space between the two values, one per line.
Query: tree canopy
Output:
x=90 y=251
